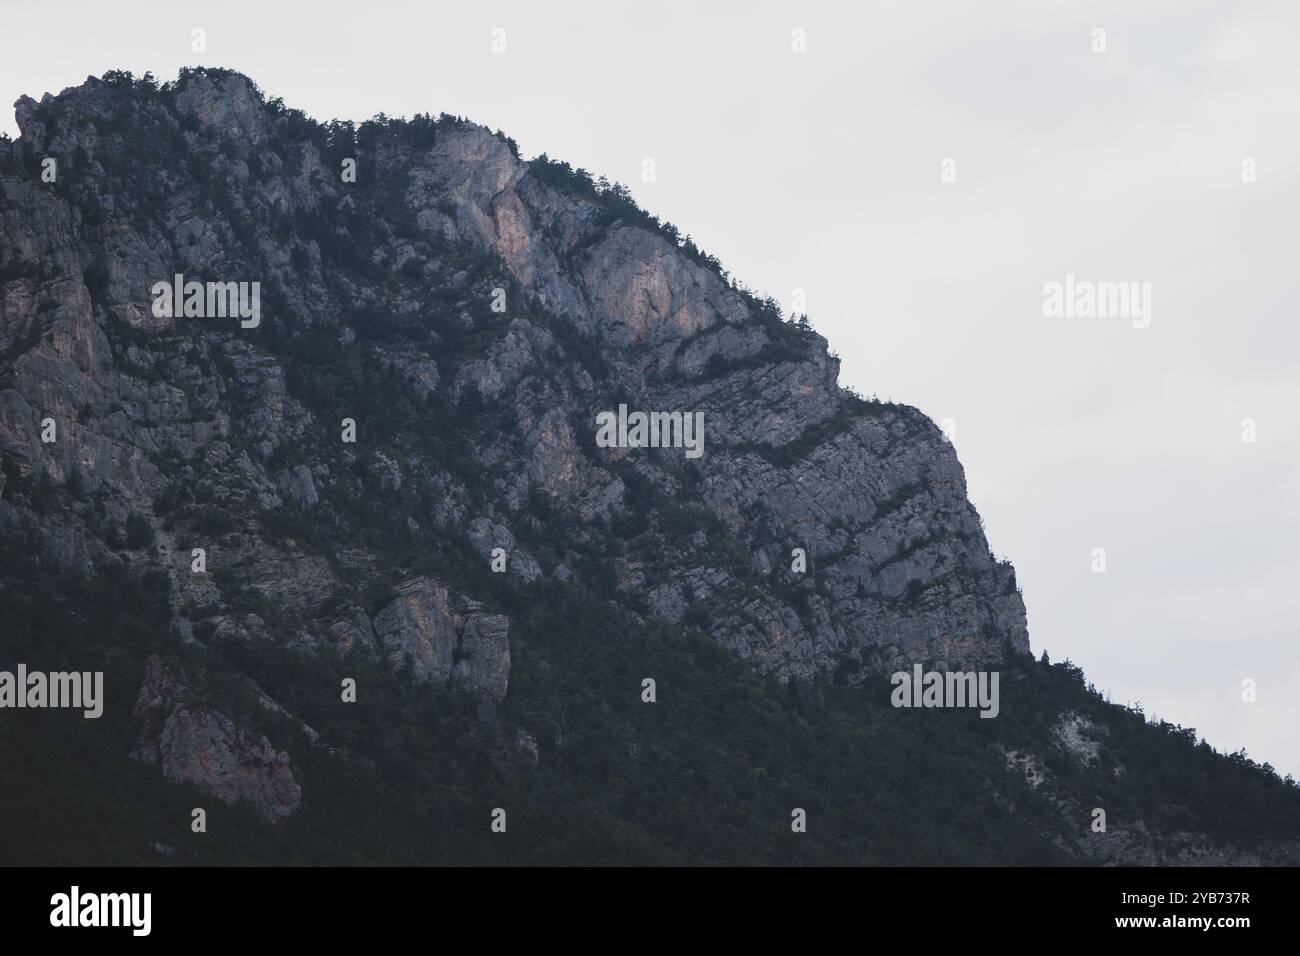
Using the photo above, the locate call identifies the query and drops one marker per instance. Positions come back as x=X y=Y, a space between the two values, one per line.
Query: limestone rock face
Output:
x=296 y=485
x=197 y=744
x=486 y=537
x=598 y=306
x=484 y=653
x=419 y=630
x=205 y=747
x=444 y=638
x=227 y=107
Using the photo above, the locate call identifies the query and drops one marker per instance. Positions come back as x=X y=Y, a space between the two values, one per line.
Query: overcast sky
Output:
x=822 y=171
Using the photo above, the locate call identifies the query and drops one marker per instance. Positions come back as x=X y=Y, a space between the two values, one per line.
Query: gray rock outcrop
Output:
x=198 y=744
x=445 y=638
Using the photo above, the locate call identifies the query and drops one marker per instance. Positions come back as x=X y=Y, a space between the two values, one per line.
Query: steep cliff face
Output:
x=221 y=189
x=421 y=630
x=409 y=417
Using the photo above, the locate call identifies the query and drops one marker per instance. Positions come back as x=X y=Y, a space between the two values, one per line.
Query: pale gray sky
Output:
x=821 y=171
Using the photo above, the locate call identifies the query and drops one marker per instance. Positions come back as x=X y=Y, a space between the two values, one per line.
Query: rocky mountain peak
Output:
x=374 y=518
x=871 y=494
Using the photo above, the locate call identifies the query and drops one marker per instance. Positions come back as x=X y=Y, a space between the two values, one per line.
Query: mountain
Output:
x=320 y=441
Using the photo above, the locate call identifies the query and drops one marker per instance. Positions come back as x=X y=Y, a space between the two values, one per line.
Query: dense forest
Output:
x=708 y=773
